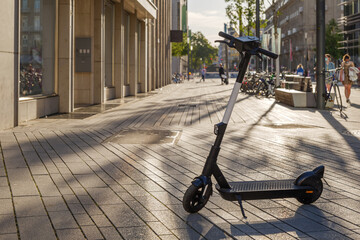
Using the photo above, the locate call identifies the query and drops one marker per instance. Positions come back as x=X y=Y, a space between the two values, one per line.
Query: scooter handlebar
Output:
x=268 y=53
x=225 y=35
x=259 y=50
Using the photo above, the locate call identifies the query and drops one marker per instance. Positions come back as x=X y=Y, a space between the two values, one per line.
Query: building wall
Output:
x=139 y=65
x=179 y=64
x=350 y=24
x=297 y=21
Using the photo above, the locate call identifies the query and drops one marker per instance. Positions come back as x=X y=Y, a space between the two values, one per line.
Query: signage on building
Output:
x=176 y=36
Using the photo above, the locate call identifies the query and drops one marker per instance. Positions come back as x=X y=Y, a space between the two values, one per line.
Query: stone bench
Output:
x=295 y=98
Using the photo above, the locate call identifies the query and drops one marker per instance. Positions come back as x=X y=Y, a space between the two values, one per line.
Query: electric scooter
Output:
x=306 y=188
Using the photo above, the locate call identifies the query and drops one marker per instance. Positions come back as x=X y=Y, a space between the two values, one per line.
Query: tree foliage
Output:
x=332 y=38
x=242 y=15
x=180 y=49
x=202 y=51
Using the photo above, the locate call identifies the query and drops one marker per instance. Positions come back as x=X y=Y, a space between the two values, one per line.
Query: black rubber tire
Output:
x=338 y=97
x=260 y=89
x=316 y=183
x=195 y=198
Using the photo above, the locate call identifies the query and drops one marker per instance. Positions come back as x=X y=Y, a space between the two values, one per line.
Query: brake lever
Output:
x=259 y=56
x=230 y=44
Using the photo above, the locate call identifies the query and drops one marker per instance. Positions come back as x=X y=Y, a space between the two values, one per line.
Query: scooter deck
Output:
x=252 y=190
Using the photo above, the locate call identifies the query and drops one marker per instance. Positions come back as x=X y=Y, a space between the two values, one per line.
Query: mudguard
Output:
x=317 y=173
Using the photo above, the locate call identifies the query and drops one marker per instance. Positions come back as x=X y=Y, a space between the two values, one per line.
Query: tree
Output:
x=332 y=38
x=243 y=11
x=235 y=12
x=179 y=49
x=202 y=51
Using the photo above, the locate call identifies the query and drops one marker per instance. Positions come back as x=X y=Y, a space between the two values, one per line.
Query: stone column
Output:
x=119 y=50
x=157 y=47
x=9 y=64
x=133 y=59
x=65 y=61
x=149 y=55
x=99 y=51
x=144 y=57
x=153 y=55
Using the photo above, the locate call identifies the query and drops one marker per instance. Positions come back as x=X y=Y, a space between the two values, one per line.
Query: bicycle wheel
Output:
x=260 y=89
x=338 y=97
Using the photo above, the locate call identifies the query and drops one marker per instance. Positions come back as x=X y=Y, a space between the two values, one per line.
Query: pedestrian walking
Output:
x=222 y=74
x=329 y=65
x=345 y=77
x=300 y=70
x=203 y=73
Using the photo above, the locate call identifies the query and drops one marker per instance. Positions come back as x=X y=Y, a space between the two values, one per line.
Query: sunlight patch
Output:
x=132 y=136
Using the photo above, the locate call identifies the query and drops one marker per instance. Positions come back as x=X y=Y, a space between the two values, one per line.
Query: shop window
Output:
x=24 y=41
x=37 y=55
x=25 y=22
x=24 y=4
x=37 y=6
x=37 y=23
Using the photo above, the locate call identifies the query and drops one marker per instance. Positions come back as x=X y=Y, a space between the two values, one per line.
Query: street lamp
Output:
x=257 y=28
x=188 y=65
x=191 y=48
x=320 y=53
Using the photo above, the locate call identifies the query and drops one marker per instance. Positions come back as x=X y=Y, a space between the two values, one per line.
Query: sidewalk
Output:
x=97 y=177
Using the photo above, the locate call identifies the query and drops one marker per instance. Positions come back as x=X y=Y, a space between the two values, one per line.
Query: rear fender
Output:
x=317 y=173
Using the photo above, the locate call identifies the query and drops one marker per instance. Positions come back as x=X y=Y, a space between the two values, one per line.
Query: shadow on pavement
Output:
x=300 y=222
x=352 y=141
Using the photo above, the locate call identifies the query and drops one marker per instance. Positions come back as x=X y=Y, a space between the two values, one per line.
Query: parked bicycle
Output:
x=249 y=83
x=266 y=85
x=331 y=75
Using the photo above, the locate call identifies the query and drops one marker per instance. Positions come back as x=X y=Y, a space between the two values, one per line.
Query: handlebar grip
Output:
x=268 y=53
x=225 y=35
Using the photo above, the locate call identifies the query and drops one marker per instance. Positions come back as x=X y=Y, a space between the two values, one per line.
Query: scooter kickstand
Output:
x=241 y=206
x=327 y=183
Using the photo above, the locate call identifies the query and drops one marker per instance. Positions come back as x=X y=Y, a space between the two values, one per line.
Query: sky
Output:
x=208 y=17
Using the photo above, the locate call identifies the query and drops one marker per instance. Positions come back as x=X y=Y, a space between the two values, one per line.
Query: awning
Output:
x=146 y=9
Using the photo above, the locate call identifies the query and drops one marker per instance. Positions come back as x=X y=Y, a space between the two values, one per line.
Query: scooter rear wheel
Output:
x=314 y=182
x=195 y=198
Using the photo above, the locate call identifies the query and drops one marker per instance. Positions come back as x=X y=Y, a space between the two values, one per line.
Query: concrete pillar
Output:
x=157 y=47
x=84 y=28
x=168 y=48
x=144 y=57
x=320 y=52
x=119 y=56
x=153 y=57
x=133 y=59
x=162 y=42
x=9 y=64
x=65 y=60
x=149 y=54
x=99 y=51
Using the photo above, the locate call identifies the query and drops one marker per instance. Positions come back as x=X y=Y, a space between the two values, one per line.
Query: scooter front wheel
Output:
x=195 y=198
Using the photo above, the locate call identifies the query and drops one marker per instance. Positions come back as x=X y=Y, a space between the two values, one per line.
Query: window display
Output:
x=37 y=47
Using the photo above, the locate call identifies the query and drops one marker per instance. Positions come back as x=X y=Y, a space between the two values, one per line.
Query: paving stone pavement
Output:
x=71 y=179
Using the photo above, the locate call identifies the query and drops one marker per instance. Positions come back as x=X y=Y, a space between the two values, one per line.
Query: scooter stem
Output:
x=230 y=107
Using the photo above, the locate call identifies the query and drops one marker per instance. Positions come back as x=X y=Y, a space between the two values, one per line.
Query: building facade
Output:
x=60 y=54
x=179 y=22
x=350 y=23
x=297 y=30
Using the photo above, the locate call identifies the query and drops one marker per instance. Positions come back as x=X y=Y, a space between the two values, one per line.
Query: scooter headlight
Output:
x=216 y=129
